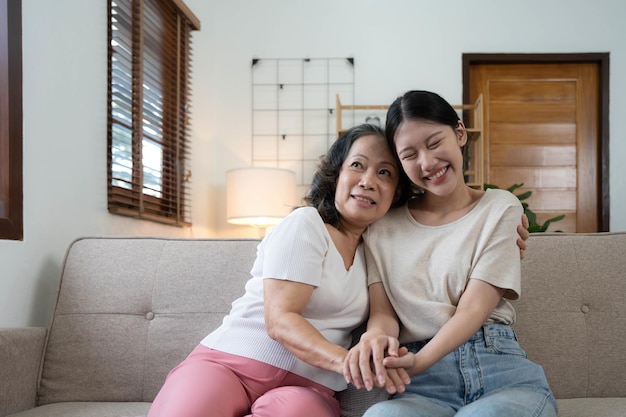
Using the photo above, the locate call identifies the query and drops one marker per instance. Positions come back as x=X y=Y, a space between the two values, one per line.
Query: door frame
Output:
x=602 y=60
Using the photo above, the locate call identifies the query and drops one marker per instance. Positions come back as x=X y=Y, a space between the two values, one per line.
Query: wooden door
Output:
x=542 y=129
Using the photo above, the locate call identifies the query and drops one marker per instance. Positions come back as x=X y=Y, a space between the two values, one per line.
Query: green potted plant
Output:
x=533 y=226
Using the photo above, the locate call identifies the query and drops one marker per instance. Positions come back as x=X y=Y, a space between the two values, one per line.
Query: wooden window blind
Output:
x=149 y=70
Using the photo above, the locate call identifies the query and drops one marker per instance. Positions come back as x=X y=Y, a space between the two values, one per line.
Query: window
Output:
x=11 y=200
x=148 y=98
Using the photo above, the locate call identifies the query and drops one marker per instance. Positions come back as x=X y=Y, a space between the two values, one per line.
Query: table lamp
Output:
x=259 y=196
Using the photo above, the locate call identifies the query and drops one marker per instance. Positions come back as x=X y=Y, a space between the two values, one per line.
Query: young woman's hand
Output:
x=522 y=231
x=397 y=376
x=404 y=362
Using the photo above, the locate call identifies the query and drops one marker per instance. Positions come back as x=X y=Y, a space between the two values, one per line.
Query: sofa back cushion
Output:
x=571 y=317
x=130 y=309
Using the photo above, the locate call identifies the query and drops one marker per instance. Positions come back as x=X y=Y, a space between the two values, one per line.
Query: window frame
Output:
x=11 y=115
x=129 y=194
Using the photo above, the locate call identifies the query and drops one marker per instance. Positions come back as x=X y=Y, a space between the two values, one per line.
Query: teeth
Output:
x=365 y=200
x=439 y=174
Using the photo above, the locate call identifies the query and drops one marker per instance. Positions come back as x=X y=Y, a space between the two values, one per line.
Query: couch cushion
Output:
x=571 y=316
x=354 y=401
x=81 y=409
x=592 y=407
x=130 y=309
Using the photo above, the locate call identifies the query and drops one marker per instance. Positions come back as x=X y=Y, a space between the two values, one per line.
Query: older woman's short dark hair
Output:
x=321 y=194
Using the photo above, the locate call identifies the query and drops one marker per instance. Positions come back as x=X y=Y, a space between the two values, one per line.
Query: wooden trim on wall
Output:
x=11 y=180
x=602 y=60
x=186 y=11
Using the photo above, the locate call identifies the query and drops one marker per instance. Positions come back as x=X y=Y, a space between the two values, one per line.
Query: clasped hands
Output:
x=378 y=361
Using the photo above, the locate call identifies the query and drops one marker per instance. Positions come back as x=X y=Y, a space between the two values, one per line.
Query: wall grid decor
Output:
x=293 y=110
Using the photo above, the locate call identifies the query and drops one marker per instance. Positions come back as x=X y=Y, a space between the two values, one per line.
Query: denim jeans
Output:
x=488 y=376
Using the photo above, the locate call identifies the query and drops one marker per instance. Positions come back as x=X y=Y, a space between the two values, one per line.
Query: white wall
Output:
x=397 y=45
x=406 y=44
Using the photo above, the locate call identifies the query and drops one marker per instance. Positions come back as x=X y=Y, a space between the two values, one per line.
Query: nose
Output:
x=367 y=180
x=426 y=161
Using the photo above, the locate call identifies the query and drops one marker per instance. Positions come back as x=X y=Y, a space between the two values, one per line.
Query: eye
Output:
x=435 y=143
x=356 y=164
x=385 y=172
x=408 y=156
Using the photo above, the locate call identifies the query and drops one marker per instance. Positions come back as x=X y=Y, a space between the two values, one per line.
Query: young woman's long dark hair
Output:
x=419 y=105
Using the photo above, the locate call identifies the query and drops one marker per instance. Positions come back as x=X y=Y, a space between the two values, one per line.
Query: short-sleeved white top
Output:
x=425 y=269
x=299 y=249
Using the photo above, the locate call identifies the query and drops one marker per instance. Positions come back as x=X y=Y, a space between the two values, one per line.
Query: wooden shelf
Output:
x=474 y=152
x=339 y=108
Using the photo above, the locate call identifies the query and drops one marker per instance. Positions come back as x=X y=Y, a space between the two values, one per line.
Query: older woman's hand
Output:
x=363 y=366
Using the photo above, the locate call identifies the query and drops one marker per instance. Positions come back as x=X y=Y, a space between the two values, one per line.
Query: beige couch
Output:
x=129 y=309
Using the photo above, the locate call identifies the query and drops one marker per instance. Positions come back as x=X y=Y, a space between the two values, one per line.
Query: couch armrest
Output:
x=21 y=352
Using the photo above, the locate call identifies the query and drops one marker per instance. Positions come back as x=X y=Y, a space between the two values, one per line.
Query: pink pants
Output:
x=210 y=383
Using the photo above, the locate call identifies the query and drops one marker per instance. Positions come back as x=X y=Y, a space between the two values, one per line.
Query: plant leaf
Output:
x=553 y=219
x=515 y=187
x=533 y=226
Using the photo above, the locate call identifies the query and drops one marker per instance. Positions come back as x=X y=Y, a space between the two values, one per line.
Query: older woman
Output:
x=280 y=351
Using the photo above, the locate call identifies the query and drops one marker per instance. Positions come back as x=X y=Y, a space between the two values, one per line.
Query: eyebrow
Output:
x=392 y=163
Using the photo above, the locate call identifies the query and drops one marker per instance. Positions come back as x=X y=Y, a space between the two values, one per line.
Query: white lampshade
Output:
x=259 y=196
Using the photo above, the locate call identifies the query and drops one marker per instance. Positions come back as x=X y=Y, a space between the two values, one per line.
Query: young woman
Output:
x=441 y=270
x=280 y=351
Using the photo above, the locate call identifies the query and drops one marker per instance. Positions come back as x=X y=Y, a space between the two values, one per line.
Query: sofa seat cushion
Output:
x=354 y=403
x=91 y=409
x=592 y=407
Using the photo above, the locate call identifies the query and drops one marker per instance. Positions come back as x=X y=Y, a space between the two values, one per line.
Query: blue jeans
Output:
x=488 y=376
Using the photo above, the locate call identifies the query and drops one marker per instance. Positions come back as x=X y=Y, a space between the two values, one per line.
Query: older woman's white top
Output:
x=298 y=249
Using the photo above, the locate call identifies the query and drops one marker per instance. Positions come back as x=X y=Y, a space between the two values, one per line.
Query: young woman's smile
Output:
x=439 y=176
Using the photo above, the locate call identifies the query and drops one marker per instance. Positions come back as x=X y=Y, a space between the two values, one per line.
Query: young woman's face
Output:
x=431 y=155
x=367 y=182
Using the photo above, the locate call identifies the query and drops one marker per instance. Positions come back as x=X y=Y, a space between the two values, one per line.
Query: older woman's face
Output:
x=367 y=182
